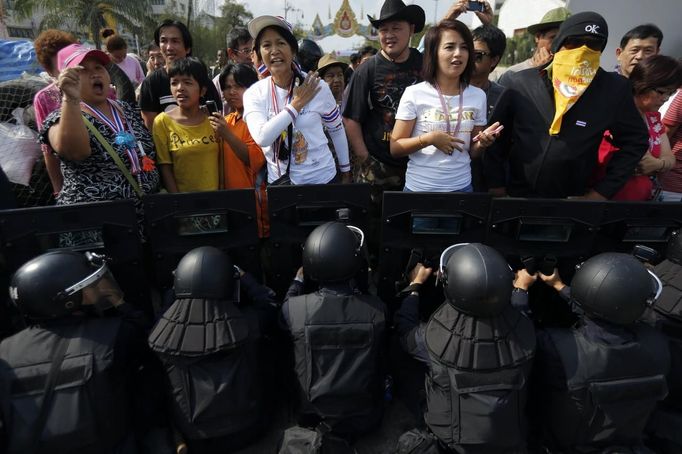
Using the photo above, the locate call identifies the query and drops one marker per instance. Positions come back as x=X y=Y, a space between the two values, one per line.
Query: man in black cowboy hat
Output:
x=382 y=79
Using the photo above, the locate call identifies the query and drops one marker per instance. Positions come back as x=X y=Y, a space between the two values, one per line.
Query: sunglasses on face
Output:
x=575 y=42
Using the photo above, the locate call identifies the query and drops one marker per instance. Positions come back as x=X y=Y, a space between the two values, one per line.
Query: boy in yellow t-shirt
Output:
x=186 y=146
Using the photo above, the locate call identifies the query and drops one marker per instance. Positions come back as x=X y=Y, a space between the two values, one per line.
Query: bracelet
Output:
x=662 y=169
x=421 y=143
x=75 y=102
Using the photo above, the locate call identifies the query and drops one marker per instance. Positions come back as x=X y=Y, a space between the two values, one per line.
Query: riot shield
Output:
x=296 y=210
x=624 y=224
x=109 y=227
x=178 y=223
x=426 y=222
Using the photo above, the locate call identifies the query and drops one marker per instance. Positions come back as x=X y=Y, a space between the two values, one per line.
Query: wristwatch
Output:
x=519 y=290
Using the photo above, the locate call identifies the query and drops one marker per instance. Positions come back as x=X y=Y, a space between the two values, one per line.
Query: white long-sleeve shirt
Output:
x=311 y=160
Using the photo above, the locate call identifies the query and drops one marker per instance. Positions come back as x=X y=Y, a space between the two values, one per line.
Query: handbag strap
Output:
x=58 y=353
x=117 y=159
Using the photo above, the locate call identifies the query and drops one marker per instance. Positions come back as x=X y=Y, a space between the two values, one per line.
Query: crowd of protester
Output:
x=407 y=120
x=273 y=111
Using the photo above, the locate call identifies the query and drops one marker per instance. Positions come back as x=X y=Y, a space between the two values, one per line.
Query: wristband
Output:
x=75 y=102
x=412 y=289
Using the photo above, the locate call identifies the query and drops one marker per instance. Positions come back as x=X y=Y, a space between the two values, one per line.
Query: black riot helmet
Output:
x=309 y=53
x=205 y=272
x=476 y=279
x=333 y=252
x=674 y=250
x=614 y=287
x=56 y=284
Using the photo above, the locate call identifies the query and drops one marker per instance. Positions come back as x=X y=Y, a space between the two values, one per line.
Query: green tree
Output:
x=90 y=15
x=233 y=14
x=519 y=48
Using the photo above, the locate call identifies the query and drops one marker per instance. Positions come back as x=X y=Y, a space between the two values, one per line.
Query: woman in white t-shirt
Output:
x=288 y=112
x=440 y=122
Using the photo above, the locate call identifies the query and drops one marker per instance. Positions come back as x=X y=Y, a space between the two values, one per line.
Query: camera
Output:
x=211 y=107
x=474 y=5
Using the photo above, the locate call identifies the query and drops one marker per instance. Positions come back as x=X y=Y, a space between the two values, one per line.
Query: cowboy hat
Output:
x=393 y=10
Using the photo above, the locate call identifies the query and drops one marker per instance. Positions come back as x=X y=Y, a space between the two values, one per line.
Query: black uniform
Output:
x=666 y=316
x=478 y=374
x=531 y=163
x=338 y=339
x=210 y=349
x=93 y=389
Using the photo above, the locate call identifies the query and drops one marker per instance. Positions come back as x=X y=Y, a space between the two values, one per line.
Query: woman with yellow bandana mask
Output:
x=555 y=117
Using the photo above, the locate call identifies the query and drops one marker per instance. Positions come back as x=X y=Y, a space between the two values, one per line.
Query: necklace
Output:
x=124 y=139
x=446 y=109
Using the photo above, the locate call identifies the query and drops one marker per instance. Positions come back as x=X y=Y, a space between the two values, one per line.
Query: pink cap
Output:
x=72 y=55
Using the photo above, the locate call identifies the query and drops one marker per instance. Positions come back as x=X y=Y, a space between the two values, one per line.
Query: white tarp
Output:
x=342 y=46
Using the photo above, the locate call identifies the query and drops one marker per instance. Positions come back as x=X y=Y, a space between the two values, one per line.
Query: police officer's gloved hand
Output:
x=553 y=280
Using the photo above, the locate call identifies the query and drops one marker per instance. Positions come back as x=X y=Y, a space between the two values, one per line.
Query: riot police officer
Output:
x=338 y=335
x=599 y=380
x=479 y=350
x=666 y=316
x=66 y=381
x=209 y=344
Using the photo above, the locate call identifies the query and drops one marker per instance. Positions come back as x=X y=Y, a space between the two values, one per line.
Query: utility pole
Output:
x=3 y=26
x=289 y=7
x=189 y=12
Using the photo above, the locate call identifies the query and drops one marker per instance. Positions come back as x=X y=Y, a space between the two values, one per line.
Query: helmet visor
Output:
x=359 y=234
x=100 y=288
x=99 y=263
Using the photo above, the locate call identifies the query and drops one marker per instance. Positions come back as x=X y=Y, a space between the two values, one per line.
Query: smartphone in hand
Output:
x=211 y=107
x=475 y=5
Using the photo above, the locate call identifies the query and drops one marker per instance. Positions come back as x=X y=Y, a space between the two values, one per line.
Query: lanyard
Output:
x=446 y=109
x=273 y=94
x=122 y=137
x=275 y=103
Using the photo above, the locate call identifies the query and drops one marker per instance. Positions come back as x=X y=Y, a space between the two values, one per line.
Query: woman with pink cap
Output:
x=106 y=153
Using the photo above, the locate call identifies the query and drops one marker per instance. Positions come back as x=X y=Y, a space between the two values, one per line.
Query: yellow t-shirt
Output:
x=191 y=150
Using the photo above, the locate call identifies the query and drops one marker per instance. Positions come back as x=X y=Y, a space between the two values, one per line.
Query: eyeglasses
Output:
x=574 y=42
x=479 y=54
x=244 y=51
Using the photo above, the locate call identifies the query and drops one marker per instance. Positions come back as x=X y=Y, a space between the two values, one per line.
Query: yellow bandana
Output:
x=572 y=72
